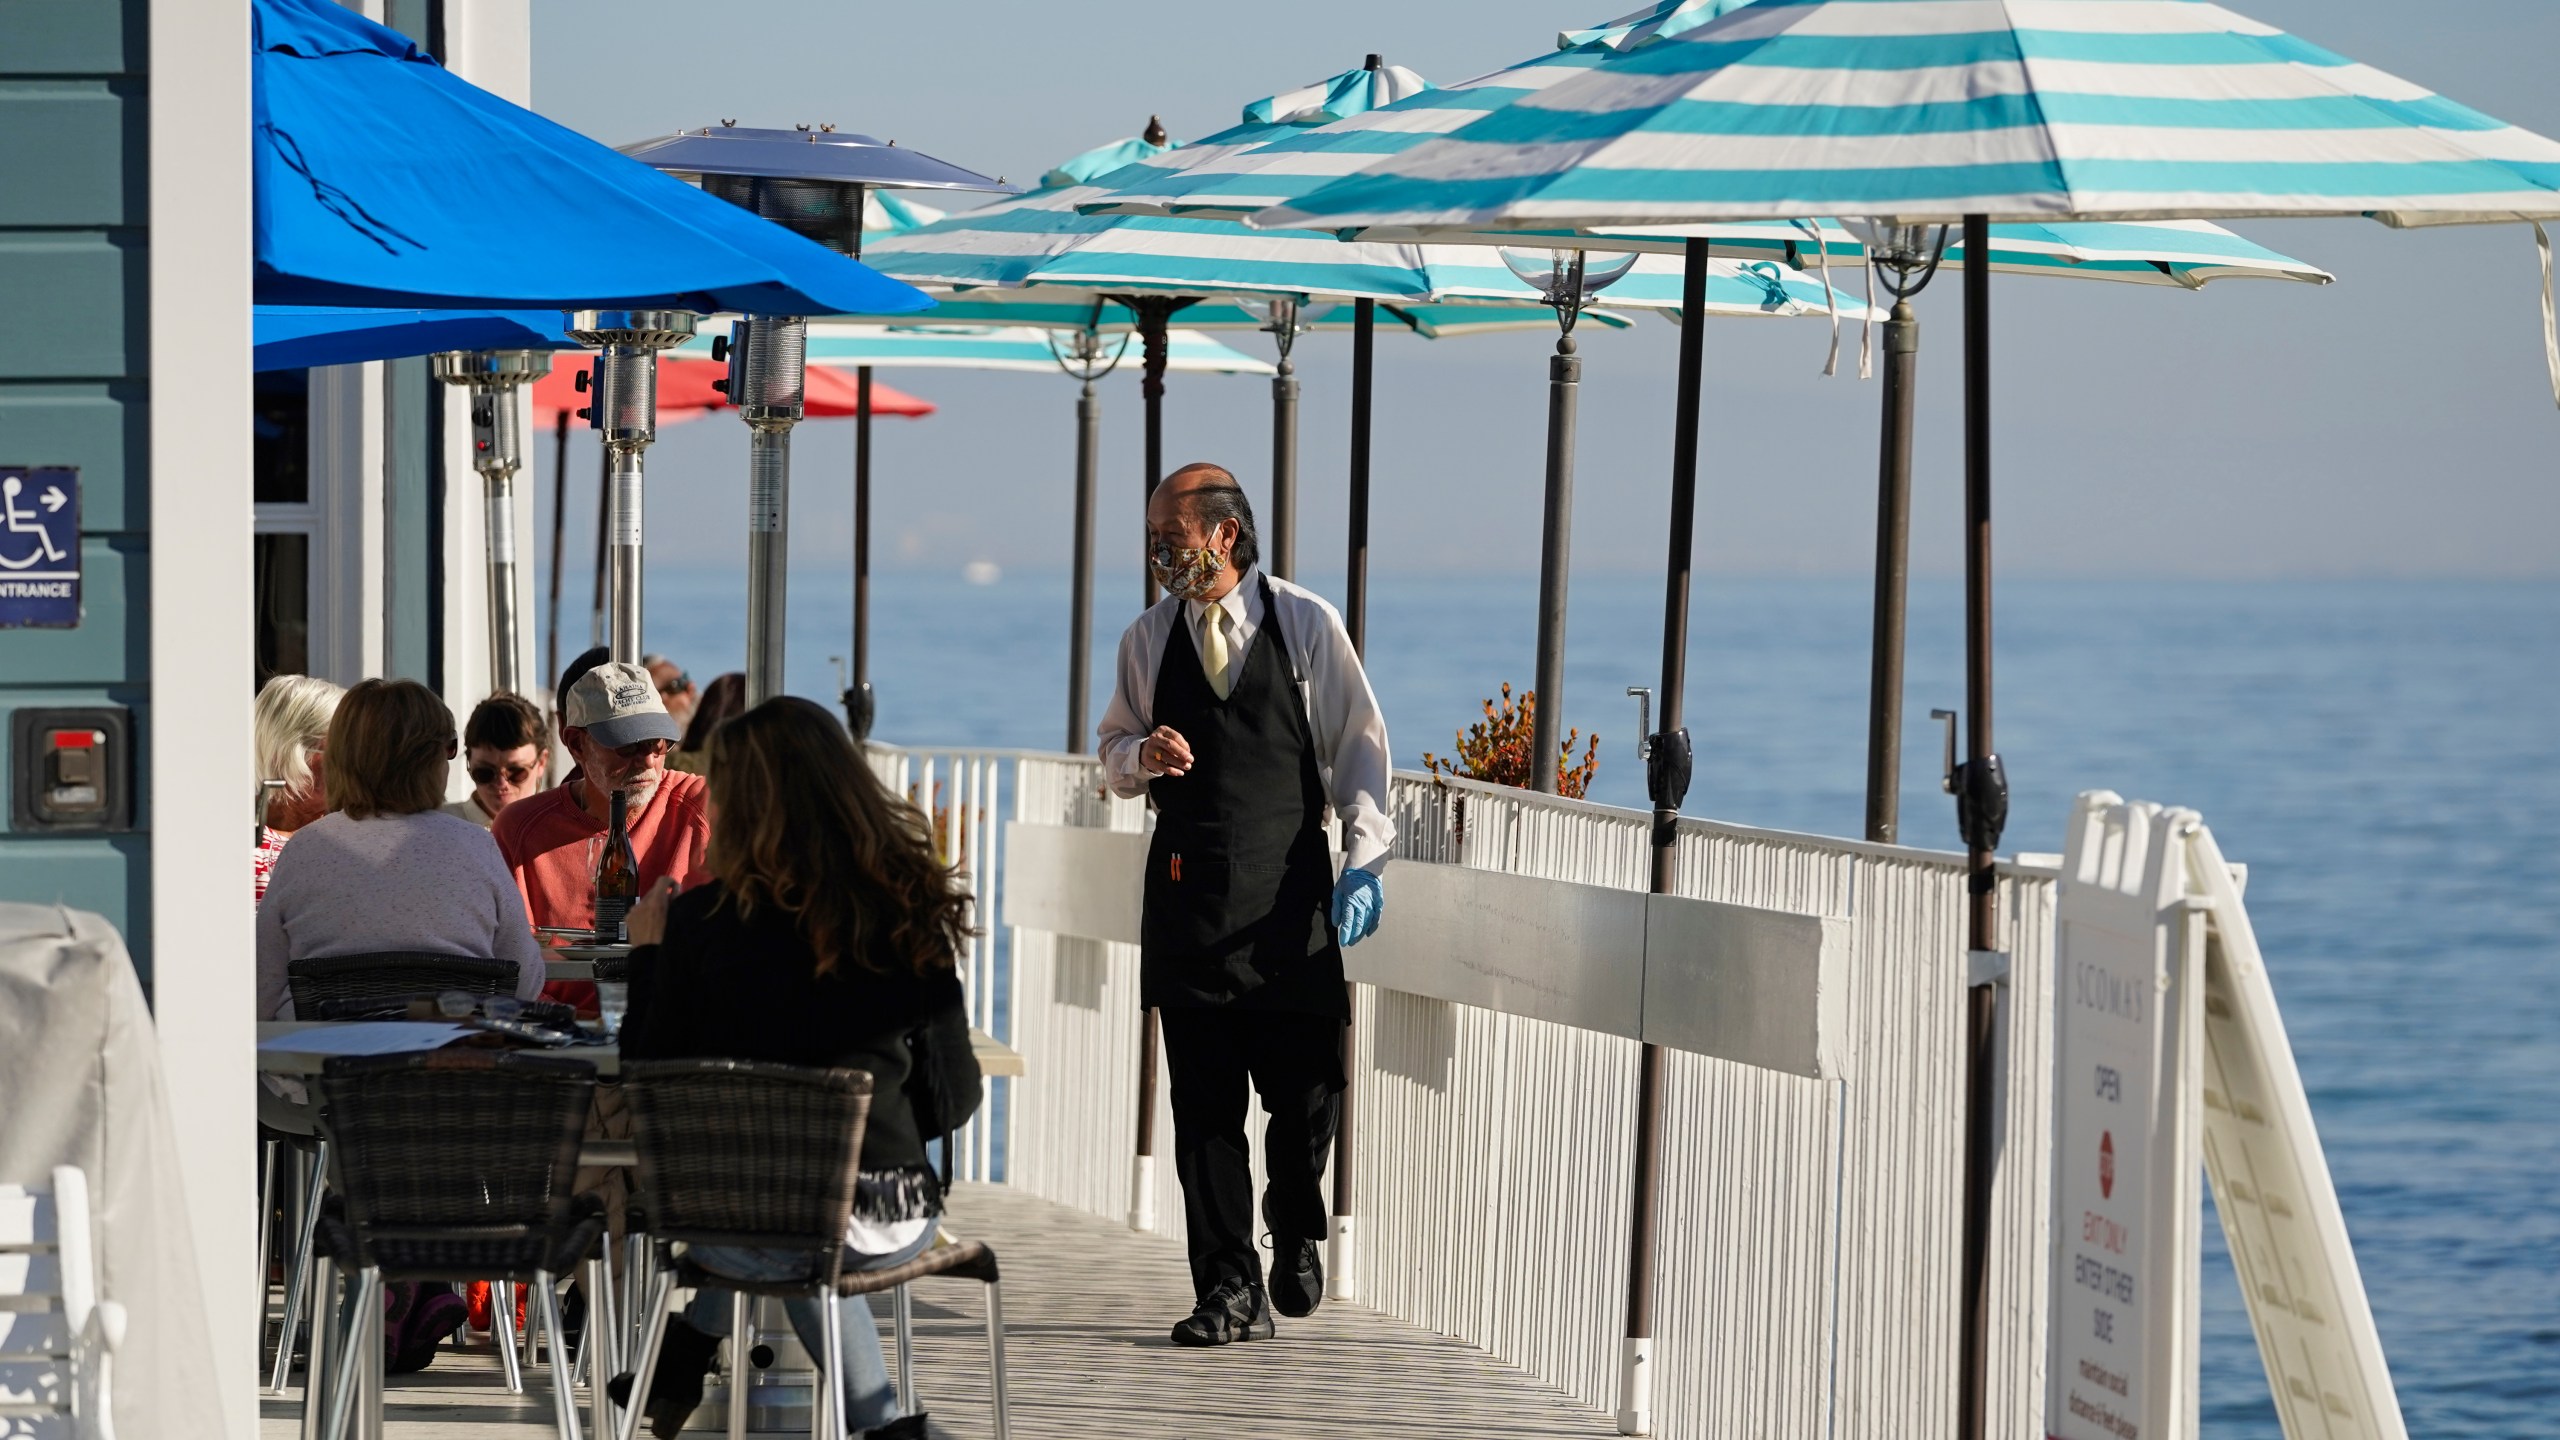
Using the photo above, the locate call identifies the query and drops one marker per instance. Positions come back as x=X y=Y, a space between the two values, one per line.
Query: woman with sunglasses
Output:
x=506 y=749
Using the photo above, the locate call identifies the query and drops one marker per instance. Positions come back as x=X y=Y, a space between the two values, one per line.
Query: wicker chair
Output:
x=736 y=1152
x=391 y=977
x=453 y=1165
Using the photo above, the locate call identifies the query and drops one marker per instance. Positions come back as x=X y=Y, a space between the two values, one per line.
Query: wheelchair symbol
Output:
x=29 y=522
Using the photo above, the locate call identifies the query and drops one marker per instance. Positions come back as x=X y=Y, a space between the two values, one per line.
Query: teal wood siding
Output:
x=75 y=390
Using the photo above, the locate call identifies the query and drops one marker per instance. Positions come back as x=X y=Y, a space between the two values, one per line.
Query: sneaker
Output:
x=1235 y=1310
x=1297 y=1277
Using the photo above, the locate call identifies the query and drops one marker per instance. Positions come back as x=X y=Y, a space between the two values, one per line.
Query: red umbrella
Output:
x=685 y=393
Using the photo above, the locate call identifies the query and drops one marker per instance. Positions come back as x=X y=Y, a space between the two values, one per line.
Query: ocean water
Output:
x=2384 y=756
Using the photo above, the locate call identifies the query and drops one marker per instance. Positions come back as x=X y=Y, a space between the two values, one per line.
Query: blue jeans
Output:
x=871 y=1401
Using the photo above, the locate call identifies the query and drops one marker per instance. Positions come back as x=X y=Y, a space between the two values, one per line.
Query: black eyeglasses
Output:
x=488 y=774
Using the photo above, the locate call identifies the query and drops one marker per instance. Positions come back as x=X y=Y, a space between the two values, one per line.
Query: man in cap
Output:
x=616 y=727
x=1242 y=710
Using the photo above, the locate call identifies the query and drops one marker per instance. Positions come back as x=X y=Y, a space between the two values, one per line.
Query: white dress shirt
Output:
x=1342 y=712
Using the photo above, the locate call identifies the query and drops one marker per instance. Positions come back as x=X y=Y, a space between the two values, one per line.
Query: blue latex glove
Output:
x=1358 y=901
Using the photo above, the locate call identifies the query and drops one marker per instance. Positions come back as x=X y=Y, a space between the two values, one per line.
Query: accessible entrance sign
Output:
x=39 y=546
x=2171 y=1066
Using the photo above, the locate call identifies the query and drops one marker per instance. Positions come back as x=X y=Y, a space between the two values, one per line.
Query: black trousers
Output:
x=1294 y=1062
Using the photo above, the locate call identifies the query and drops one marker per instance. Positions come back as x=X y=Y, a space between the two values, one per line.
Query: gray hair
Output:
x=292 y=721
x=1220 y=500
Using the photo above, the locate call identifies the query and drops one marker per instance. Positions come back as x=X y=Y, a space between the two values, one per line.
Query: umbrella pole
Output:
x=1982 y=806
x=1080 y=603
x=1555 y=552
x=1153 y=313
x=1667 y=782
x=769 y=386
x=1893 y=575
x=1284 y=469
x=559 y=538
x=859 y=705
x=1355 y=584
x=1355 y=618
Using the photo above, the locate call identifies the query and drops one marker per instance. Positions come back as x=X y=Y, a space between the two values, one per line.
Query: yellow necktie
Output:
x=1213 y=648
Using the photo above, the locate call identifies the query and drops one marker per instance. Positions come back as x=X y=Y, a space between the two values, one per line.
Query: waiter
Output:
x=1242 y=709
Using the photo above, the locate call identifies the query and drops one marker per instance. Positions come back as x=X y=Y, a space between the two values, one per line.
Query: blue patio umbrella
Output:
x=1913 y=114
x=295 y=337
x=383 y=179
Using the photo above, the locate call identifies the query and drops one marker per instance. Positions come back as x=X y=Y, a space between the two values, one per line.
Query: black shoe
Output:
x=675 y=1386
x=1297 y=1277
x=905 y=1427
x=1236 y=1310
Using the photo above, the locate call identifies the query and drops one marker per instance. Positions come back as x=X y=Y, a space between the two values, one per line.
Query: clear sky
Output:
x=2396 y=423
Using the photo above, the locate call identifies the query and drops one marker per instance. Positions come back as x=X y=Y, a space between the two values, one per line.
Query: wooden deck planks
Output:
x=1087 y=1305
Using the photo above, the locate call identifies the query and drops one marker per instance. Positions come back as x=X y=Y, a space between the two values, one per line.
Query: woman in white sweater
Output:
x=386 y=869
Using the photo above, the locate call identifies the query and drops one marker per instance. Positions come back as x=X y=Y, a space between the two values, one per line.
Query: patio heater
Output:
x=497 y=452
x=1568 y=281
x=811 y=180
x=624 y=411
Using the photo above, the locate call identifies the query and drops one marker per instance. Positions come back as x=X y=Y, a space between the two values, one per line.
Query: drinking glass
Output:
x=613 y=997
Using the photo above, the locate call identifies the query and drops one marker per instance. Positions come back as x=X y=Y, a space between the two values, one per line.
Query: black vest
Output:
x=1240 y=875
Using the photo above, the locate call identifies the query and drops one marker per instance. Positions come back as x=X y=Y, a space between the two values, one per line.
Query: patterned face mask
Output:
x=1186 y=570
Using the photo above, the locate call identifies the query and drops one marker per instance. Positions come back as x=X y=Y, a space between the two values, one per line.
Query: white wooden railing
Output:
x=1806 y=1274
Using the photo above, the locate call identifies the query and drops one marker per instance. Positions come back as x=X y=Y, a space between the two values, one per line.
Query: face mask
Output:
x=1186 y=570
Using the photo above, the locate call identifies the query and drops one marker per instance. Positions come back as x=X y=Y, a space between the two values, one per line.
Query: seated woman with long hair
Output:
x=828 y=937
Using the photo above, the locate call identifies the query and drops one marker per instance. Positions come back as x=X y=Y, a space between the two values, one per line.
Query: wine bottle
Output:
x=617 y=874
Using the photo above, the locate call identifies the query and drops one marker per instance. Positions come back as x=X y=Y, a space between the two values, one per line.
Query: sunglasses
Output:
x=488 y=774
x=677 y=686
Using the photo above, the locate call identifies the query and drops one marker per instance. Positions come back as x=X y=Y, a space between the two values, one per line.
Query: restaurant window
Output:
x=287 y=522
x=283 y=562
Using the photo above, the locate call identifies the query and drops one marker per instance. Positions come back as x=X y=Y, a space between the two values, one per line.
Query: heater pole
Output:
x=625 y=411
x=491 y=378
x=768 y=376
x=559 y=539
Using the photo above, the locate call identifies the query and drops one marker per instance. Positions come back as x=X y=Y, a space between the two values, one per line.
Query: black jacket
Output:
x=723 y=986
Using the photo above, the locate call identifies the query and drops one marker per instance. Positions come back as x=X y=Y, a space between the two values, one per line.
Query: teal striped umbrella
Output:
x=1969 y=111
x=1041 y=249
x=1934 y=110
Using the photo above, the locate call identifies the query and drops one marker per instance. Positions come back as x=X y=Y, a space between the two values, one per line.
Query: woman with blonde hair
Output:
x=292 y=731
x=829 y=936
x=387 y=869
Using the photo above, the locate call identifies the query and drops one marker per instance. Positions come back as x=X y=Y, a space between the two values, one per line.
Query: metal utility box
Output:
x=71 y=770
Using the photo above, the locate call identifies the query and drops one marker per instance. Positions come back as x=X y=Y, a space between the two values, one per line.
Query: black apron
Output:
x=1240 y=875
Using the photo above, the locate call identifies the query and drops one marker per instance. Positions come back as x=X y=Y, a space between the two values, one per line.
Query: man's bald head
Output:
x=1197 y=475
x=1195 y=502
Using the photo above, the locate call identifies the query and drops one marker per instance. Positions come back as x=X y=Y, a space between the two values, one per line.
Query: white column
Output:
x=490 y=44
x=204 y=959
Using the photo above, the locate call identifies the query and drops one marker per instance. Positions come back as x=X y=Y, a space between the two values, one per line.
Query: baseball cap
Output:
x=617 y=704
